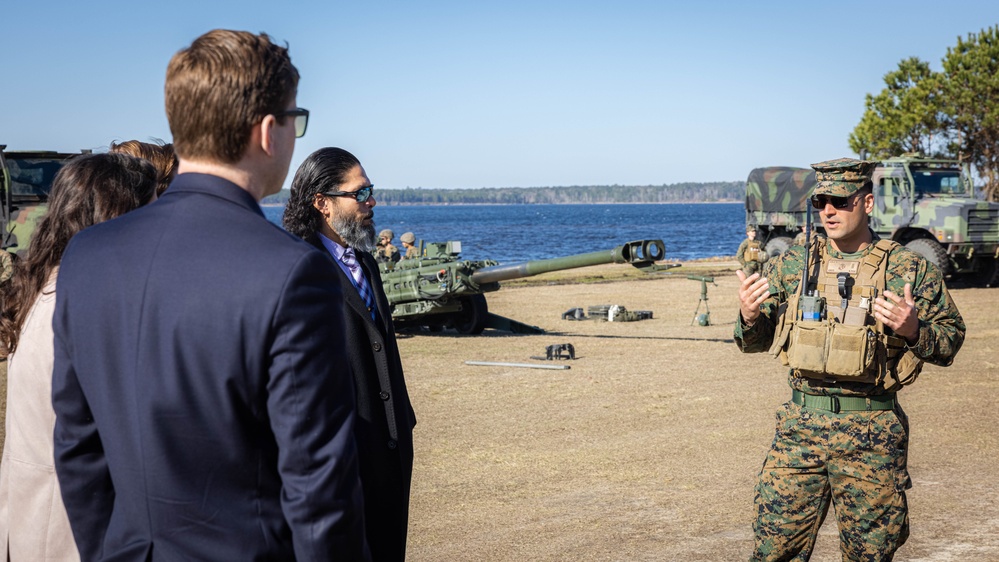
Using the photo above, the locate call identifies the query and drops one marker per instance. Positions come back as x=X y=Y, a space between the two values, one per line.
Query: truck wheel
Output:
x=777 y=246
x=472 y=318
x=932 y=251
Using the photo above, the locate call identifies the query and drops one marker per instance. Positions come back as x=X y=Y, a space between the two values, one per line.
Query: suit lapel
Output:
x=352 y=297
x=350 y=294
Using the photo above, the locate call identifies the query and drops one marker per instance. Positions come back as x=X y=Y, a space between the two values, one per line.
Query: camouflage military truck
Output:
x=25 y=181
x=928 y=204
x=776 y=203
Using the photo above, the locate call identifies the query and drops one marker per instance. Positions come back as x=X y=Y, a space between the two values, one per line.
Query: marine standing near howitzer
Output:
x=750 y=253
x=385 y=251
x=409 y=243
x=870 y=314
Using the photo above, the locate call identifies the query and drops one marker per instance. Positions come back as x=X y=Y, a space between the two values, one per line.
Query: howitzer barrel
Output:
x=640 y=252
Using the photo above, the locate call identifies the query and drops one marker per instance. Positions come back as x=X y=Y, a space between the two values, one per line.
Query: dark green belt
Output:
x=837 y=403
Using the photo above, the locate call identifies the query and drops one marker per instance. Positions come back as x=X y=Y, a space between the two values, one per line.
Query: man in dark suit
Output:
x=331 y=207
x=204 y=405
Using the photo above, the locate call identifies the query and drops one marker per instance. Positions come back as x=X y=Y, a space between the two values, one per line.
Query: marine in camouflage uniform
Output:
x=750 y=253
x=385 y=250
x=409 y=242
x=837 y=440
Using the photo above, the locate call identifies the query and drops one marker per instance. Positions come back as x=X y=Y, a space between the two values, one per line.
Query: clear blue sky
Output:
x=491 y=94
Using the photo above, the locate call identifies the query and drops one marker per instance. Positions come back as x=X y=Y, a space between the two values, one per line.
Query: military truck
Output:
x=25 y=181
x=776 y=203
x=928 y=204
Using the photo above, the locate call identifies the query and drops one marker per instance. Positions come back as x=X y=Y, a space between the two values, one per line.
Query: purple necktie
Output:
x=350 y=260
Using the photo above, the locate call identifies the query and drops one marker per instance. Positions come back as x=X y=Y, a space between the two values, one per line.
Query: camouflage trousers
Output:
x=751 y=267
x=855 y=459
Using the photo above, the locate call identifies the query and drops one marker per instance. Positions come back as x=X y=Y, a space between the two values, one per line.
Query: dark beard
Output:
x=353 y=233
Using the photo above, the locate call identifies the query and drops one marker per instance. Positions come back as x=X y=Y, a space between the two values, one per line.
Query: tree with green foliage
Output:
x=971 y=85
x=905 y=116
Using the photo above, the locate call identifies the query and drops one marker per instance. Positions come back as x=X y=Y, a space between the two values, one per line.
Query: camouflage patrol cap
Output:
x=386 y=234
x=750 y=228
x=408 y=238
x=842 y=177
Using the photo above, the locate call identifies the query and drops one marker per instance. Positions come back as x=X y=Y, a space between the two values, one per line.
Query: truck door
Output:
x=892 y=205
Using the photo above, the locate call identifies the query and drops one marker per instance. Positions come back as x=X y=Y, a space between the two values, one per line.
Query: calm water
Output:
x=512 y=233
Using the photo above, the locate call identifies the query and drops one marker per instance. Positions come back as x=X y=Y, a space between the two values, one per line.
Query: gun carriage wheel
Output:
x=472 y=318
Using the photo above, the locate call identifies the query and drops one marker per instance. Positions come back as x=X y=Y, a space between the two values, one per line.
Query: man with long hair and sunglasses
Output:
x=854 y=317
x=203 y=399
x=332 y=207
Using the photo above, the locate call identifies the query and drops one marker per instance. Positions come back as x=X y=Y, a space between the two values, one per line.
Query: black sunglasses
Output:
x=301 y=120
x=820 y=201
x=361 y=195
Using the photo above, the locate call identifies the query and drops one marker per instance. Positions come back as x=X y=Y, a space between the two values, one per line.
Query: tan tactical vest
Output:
x=846 y=343
x=753 y=251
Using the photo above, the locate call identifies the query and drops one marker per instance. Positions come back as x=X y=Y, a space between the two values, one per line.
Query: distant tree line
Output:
x=953 y=113
x=708 y=192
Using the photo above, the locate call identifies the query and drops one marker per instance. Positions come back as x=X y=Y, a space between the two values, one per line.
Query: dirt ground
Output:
x=648 y=448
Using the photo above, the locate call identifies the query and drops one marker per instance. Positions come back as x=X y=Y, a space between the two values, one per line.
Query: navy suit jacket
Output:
x=204 y=406
x=385 y=417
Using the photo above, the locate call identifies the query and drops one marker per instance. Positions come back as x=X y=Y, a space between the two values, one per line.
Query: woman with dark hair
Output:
x=87 y=190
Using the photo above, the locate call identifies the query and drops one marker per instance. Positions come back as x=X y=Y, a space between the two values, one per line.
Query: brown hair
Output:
x=162 y=157
x=87 y=190
x=220 y=87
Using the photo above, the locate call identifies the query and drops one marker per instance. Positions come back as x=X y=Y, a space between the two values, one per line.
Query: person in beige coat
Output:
x=87 y=190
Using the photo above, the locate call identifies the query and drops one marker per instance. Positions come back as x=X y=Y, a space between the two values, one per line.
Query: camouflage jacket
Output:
x=386 y=253
x=740 y=254
x=941 y=328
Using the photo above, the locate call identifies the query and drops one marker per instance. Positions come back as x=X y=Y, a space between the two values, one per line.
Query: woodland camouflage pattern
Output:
x=778 y=196
x=945 y=210
x=856 y=459
x=941 y=328
x=27 y=178
x=842 y=177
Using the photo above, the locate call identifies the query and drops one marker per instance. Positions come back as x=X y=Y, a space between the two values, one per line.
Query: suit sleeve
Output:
x=80 y=463
x=311 y=408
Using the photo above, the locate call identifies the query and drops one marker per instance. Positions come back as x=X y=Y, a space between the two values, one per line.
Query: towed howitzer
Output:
x=440 y=290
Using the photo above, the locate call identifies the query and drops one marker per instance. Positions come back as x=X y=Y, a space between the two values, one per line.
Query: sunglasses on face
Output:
x=361 y=195
x=301 y=120
x=820 y=201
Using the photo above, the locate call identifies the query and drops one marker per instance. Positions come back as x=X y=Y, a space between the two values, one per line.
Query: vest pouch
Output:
x=783 y=329
x=807 y=349
x=851 y=350
x=904 y=371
